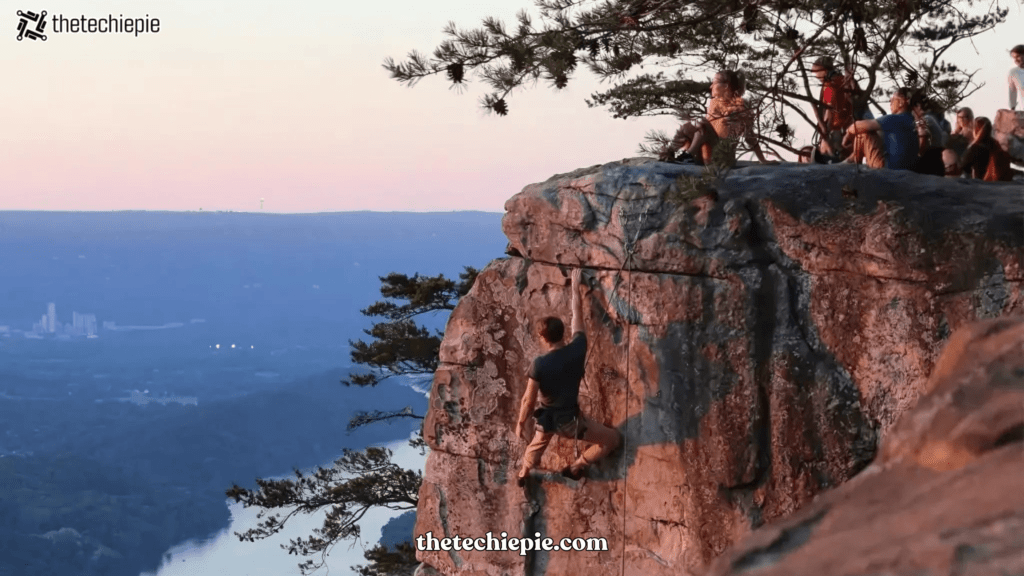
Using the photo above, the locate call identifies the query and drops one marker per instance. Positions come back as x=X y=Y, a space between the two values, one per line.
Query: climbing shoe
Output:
x=685 y=158
x=574 y=473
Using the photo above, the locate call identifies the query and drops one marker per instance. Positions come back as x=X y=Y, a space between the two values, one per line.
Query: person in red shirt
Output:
x=837 y=114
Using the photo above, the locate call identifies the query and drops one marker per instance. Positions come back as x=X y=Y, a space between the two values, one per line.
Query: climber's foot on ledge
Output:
x=574 y=472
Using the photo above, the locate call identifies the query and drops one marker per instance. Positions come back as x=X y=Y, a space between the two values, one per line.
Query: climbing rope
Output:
x=628 y=262
x=628 y=265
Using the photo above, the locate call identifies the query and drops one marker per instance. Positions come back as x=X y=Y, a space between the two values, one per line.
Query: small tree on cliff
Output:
x=358 y=481
x=400 y=346
x=361 y=480
x=657 y=53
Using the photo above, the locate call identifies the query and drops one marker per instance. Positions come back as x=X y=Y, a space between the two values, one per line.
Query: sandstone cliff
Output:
x=752 y=344
x=945 y=496
x=1008 y=130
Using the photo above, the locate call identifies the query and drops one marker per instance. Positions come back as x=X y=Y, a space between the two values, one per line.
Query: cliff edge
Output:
x=753 y=339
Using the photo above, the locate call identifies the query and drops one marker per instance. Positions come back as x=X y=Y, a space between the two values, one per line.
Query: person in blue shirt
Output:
x=888 y=142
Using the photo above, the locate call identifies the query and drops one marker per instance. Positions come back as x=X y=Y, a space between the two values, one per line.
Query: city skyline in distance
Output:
x=80 y=325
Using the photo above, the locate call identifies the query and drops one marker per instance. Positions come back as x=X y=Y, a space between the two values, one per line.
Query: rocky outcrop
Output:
x=946 y=495
x=752 y=338
x=1008 y=129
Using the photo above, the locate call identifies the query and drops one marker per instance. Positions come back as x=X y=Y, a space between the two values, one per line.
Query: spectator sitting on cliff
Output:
x=684 y=139
x=836 y=96
x=556 y=376
x=931 y=138
x=1016 y=78
x=728 y=117
x=931 y=113
x=963 y=132
x=951 y=163
x=888 y=142
x=985 y=158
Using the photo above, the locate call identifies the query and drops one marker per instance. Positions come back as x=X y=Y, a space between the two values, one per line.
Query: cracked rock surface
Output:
x=752 y=345
x=1008 y=130
x=946 y=495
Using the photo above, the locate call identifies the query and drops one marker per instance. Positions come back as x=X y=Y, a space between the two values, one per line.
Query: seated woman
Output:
x=964 y=122
x=727 y=117
x=700 y=153
x=963 y=132
x=984 y=158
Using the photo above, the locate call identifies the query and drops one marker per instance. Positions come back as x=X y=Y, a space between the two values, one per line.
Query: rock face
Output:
x=946 y=495
x=1008 y=129
x=752 y=344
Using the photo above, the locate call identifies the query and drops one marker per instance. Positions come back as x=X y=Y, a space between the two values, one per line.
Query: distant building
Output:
x=82 y=325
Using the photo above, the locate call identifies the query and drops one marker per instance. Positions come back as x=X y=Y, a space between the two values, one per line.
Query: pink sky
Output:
x=236 y=101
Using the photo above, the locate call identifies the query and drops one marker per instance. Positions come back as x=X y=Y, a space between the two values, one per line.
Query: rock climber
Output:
x=556 y=377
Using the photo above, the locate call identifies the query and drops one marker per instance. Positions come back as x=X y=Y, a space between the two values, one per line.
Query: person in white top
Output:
x=1016 y=77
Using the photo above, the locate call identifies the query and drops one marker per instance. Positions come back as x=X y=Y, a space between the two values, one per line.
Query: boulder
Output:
x=1008 y=130
x=753 y=337
x=946 y=495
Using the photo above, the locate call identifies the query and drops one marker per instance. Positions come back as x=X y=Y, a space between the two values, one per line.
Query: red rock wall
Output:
x=1008 y=130
x=751 y=349
x=945 y=496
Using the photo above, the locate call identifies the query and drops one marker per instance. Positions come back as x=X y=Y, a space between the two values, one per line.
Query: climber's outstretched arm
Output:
x=529 y=401
x=577 y=302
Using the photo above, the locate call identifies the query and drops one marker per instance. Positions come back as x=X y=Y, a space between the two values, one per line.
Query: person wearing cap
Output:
x=838 y=107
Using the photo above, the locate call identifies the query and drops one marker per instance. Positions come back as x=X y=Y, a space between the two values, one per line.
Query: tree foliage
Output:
x=358 y=481
x=361 y=480
x=657 y=54
x=400 y=346
x=387 y=562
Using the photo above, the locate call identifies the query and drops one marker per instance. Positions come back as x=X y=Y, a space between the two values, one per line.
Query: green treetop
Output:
x=657 y=54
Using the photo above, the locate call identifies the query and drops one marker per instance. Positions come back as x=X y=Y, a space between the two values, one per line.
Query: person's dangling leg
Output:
x=534 y=451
